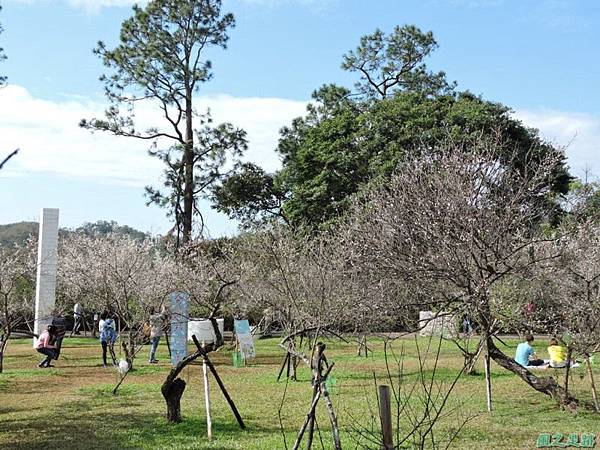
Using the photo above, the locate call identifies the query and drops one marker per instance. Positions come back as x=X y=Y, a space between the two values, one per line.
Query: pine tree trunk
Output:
x=188 y=163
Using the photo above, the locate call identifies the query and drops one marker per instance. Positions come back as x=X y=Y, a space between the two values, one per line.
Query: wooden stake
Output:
x=225 y=393
x=332 y=418
x=206 y=362
x=285 y=362
x=310 y=414
x=591 y=375
x=488 y=379
x=207 y=400
x=385 y=415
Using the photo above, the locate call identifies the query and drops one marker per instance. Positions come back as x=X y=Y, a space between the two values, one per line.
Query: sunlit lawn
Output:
x=71 y=406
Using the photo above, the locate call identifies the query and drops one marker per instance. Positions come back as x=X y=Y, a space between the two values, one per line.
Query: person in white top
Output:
x=77 y=317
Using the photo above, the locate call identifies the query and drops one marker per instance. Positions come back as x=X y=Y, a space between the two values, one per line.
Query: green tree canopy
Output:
x=388 y=63
x=346 y=142
x=328 y=161
x=339 y=149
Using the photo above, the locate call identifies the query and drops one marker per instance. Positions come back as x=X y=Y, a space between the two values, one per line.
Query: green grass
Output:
x=72 y=407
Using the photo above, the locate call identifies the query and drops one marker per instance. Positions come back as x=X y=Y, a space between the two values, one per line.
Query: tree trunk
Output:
x=3 y=344
x=545 y=385
x=568 y=369
x=471 y=361
x=129 y=352
x=172 y=392
x=173 y=387
x=188 y=163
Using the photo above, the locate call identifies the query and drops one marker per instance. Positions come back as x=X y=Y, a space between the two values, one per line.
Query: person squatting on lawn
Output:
x=156 y=331
x=44 y=346
x=108 y=335
x=525 y=354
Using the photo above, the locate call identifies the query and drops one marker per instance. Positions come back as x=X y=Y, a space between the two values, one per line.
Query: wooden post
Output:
x=225 y=393
x=206 y=362
x=311 y=412
x=335 y=429
x=591 y=375
x=285 y=362
x=488 y=378
x=385 y=415
x=207 y=400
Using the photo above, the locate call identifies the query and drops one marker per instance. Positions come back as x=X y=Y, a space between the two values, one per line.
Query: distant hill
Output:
x=17 y=233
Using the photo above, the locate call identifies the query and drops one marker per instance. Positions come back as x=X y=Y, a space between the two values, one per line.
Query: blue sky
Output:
x=539 y=57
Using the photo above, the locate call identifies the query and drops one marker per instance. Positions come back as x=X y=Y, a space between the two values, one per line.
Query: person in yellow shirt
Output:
x=558 y=354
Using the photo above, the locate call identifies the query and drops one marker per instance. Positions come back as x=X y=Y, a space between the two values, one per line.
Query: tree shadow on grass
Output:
x=92 y=423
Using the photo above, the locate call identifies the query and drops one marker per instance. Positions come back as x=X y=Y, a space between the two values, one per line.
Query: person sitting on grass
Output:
x=558 y=354
x=44 y=346
x=526 y=355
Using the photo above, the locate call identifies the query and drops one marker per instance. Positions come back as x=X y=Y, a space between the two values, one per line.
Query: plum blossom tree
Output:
x=17 y=275
x=206 y=271
x=461 y=219
x=115 y=273
x=572 y=299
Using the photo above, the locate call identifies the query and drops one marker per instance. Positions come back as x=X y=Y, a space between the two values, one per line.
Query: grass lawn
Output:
x=71 y=406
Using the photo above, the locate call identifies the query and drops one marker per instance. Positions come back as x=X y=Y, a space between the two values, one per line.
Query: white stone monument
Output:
x=45 y=291
x=432 y=324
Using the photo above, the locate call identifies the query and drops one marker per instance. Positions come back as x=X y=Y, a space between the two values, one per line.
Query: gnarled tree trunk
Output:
x=172 y=392
x=172 y=389
x=546 y=385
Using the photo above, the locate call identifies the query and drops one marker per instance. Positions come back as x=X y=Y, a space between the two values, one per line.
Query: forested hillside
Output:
x=16 y=233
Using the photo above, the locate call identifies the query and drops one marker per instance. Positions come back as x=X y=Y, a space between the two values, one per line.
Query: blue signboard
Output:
x=244 y=337
x=179 y=326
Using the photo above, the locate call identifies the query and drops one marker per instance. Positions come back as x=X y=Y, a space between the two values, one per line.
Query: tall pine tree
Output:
x=161 y=60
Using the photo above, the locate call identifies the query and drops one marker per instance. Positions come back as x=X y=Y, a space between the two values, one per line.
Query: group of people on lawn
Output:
x=48 y=346
x=527 y=357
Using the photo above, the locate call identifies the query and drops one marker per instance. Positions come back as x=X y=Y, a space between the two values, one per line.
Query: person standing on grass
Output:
x=108 y=336
x=44 y=346
x=77 y=317
x=526 y=355
x=156 y=331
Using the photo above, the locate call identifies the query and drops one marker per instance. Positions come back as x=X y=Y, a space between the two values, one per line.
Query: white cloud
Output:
x=308 y=3
x=94 y=6
x=104 y=3
x=50 y=140
x=91 y=6
x=578 y=132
